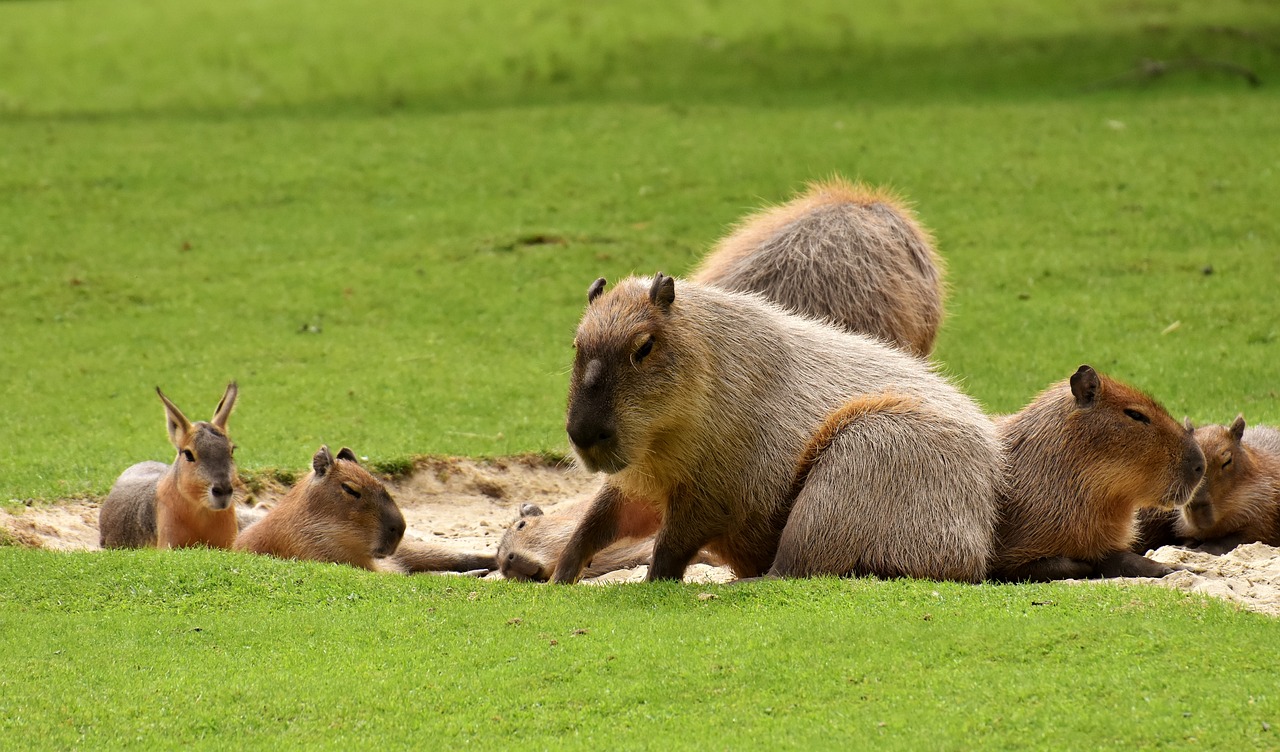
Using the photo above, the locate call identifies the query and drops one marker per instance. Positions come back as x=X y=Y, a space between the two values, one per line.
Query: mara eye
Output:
x=642 y=351
x=1137 y=416
x=187 y=453
x=352 y=492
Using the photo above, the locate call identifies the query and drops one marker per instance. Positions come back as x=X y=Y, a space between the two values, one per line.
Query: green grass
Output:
x=382 y=217
x=154 y=649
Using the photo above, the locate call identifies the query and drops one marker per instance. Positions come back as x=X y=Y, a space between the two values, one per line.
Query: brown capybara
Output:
x=1239 y=500
x=846 y=253
x=338 y=513
x=1083 y=458
x=187 y=503
x=533 y=543
x=698 y=403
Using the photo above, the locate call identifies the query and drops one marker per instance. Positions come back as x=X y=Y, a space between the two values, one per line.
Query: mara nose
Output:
x=221 y=491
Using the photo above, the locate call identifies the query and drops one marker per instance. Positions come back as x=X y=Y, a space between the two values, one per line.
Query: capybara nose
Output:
x=1193 y=464
x=586 y=434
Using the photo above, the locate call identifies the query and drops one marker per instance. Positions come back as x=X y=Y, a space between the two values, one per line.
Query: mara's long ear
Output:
x=322 y=461
x=175 y=421
x=225 y=405
x=345 y=453
x=1237 y=429
x=595 y=290
x=663 y=292
x=1085 y=386
x=530 y=510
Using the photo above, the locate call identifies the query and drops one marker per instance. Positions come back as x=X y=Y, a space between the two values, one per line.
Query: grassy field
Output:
x=148 y=649
x=381 y=219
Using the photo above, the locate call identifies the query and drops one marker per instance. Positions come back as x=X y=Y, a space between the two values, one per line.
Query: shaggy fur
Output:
x=699 y=403
x=845 y=253
x=187 y=503
x=1084 y=457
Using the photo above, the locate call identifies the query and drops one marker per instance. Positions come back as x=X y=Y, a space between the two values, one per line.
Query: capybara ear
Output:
x=1085 y=386
x=530 y=510
x=1237 y=428
x=175 y=421
x=595 y=290
x=1186 y=422
x=345 y=453
x=663 y=291
x=322 y=461
x=227 y=402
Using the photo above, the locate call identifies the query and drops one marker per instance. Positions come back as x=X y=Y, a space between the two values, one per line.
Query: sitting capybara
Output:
x=849 y=254
x=1239 y=500
x=698 y=403
x=187 y=503
x=1083 y=458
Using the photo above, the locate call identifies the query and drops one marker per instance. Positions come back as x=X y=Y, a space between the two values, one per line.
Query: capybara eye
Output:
x=187 y=453
x=1227 y=462
x=643 y=350
x=352 y=492
x=520 y=525
x=1137 y=416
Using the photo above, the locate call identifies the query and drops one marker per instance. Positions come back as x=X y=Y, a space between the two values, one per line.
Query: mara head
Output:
x=1130 y=443
x=628 y=359
x=346 y=495
x=1226 y=465
x=531 y=546
x=204 y=463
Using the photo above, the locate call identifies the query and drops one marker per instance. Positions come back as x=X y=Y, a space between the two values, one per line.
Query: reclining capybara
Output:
x=698 y=403
x=533 y=543
x=1083 y=458
x=849 y=254
x=341 y=513
x=1239 y=500
x=187 y=503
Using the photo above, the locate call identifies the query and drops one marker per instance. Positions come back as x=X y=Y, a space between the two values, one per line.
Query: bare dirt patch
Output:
x=468 y=503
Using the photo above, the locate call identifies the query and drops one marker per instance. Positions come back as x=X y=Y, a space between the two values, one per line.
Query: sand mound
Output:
x=469 y=503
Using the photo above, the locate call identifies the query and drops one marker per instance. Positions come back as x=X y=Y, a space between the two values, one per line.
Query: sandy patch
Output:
x=469 y=503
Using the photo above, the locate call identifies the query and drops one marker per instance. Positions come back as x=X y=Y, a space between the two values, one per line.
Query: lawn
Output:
x=381 y=219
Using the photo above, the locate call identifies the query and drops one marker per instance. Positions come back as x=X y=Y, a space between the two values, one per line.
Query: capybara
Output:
x=1083 y=458
x=533 y=543
x=187 y=503
x=338 y=513
x=1239 y=500
x=699 y=403
x=847 y=253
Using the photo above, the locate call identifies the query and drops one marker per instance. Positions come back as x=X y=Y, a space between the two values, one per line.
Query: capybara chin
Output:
x=846 y=253
x=1083 y=458
x=187 y=503
x=338 y=513
x=700 y=402
x=1239 y=500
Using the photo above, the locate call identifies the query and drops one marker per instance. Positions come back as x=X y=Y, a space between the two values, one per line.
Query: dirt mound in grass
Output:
x=468 y=503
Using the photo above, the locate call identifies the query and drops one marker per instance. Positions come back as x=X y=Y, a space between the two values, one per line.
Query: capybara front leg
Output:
x=597 y=530
x=1047 y=569
x=1129 y=564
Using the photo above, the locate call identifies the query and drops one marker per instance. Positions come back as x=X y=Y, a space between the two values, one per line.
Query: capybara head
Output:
x=626 y=364
x=530 y=547
x=204 y=462
x=357 y=503
x=1129 y=444
x=1226 y=465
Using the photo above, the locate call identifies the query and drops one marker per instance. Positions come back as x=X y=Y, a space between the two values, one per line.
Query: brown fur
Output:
x=187 y=503
x=411 y=557
x=338 y=513
x=699 y=403
x=847 y=253
x=1239 y=501
x=1083 y=458
x=533 y=543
